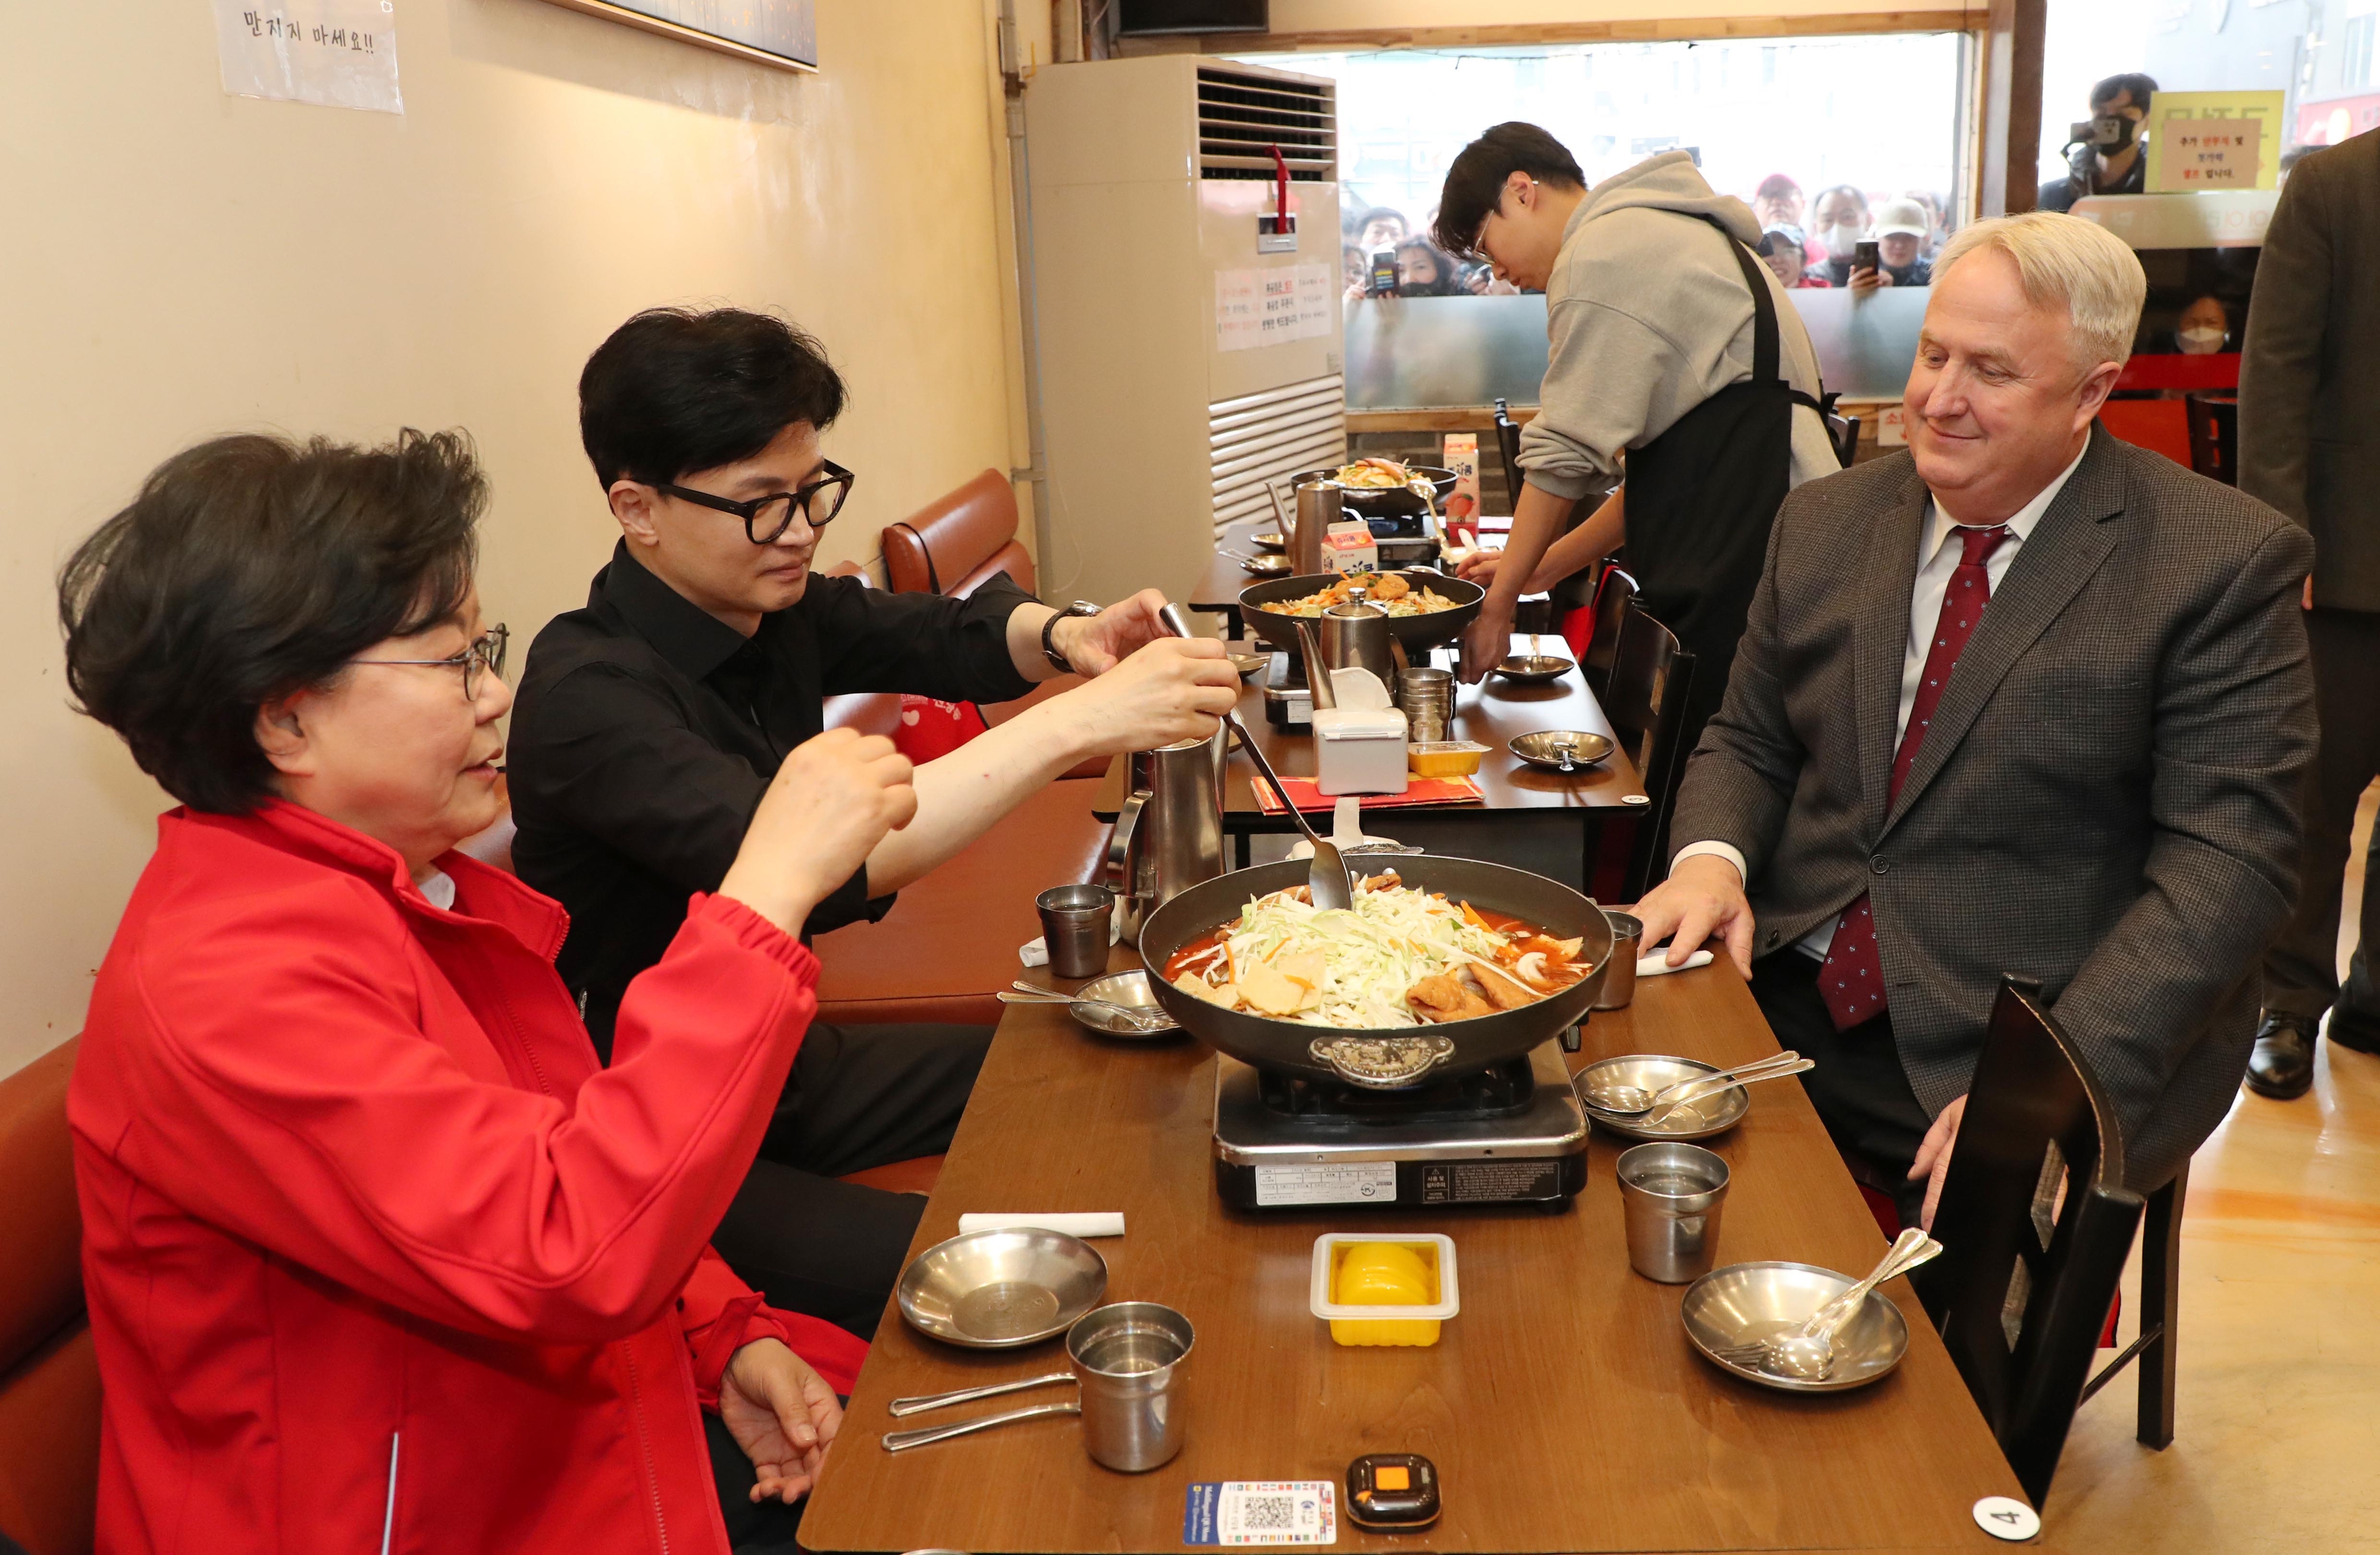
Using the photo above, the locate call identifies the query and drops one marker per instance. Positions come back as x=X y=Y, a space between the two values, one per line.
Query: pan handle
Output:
x=1382 y=1062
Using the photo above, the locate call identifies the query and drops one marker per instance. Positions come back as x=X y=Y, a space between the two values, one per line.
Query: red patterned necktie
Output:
x=1852 y=982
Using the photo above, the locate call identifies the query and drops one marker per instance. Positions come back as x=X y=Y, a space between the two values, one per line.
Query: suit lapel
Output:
x=1881 y=639
x=2069 y=544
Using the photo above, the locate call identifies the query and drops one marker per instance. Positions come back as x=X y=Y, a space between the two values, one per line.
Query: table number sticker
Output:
x=1367 y=1182
x=1247 y=1512
x=2005 y=1518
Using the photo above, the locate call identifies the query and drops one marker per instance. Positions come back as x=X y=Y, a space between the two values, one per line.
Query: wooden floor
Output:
x=2277 y=1445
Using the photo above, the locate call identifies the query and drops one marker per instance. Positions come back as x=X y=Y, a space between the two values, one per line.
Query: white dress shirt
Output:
x=1938 y=554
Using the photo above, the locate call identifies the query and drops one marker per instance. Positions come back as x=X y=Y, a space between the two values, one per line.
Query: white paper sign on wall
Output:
x=335 y=53
x=1267 y=306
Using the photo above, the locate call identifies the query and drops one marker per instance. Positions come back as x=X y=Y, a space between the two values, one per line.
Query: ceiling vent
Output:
x=1243 y=117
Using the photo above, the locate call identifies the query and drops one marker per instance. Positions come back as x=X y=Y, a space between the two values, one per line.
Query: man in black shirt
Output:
x=647 y=725
x=2113 y=161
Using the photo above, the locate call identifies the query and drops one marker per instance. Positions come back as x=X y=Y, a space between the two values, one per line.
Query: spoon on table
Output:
x=1808 y=1352
x=1633 y=1102
x=1327 y=879
x=1026 y=993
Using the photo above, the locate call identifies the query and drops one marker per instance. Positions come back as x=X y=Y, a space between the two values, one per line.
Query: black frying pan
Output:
x=1284 y=1045
x=1416 y=632
x=1384 y=502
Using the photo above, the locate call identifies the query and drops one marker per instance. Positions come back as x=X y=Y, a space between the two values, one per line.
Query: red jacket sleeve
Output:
x=721 y=1314
x=283 y=1089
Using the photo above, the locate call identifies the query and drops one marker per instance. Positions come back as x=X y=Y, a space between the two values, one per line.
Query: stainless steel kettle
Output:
x=1169 y=834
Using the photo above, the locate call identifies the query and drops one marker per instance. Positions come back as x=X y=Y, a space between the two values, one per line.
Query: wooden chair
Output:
x=1651 y=676
x=49 y=1373
x=2036 y=1223
x=2215 y=434
x=1614 y=592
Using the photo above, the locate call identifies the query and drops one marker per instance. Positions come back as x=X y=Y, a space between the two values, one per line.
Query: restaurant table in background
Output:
x=1532 y=818
x=1563 y=1407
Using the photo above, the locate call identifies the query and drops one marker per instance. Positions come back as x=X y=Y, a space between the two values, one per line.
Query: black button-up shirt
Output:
x=646 y=730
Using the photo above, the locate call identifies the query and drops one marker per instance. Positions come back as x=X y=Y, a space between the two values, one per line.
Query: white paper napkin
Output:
x=1072 y=1224
x=1656 y=965
x=1036 y=950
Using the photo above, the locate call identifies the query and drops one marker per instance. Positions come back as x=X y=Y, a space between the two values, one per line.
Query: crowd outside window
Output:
x=2111 y=163
x=1838 y=221
x=1380 y=228
x=1423 y=270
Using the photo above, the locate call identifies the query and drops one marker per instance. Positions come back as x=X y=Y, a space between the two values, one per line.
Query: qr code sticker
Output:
x=1294 y=1512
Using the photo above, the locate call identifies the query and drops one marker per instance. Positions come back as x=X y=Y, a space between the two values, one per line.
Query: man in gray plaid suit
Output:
x=2023 y=699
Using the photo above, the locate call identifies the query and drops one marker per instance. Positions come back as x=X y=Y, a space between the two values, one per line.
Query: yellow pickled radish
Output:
x=1382 y=1274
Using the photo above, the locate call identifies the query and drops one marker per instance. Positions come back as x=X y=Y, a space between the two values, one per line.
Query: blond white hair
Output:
x=2066 y=263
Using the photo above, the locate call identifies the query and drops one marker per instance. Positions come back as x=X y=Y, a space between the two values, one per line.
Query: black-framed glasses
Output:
x=486 y=653
x=766 y=517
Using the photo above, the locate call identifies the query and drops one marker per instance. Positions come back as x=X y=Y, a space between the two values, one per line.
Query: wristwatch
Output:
x=1049 y=630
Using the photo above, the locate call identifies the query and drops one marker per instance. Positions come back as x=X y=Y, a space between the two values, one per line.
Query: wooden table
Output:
x=1532 y=818
x=1563 y=1407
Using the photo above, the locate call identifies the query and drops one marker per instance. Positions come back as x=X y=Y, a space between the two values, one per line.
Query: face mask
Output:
x=1842 y=240
x=2205 y=342
x=2123 y=127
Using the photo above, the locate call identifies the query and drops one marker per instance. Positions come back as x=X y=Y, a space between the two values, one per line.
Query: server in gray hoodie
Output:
x=1676 y=362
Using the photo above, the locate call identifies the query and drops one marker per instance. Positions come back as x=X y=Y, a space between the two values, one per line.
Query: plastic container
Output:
x=1405 y=1323
x=1444 y=759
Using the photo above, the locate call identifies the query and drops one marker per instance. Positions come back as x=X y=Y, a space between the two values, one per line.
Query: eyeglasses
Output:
x=766 y=517
x=485 y=653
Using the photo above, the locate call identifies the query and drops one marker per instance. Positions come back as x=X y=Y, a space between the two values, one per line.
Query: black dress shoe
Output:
x=2282 y=1065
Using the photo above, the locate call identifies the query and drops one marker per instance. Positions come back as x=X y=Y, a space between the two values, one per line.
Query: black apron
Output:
x=1701 y=497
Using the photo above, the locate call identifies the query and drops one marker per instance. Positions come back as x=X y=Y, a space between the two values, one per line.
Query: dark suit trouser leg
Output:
x=859 y=1096
x=1859 y=1088
x=2302 y=966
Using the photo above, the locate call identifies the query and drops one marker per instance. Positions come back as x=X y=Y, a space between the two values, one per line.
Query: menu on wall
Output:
x=1266 y=307
x=2211 y=141
x=335 y=53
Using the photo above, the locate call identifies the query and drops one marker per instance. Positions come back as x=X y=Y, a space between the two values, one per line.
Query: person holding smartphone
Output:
x=1892 y=257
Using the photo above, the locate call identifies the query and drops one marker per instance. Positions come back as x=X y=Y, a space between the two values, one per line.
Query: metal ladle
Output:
x=1808 y=1352
x=1632 y=1102
x=1327 y=879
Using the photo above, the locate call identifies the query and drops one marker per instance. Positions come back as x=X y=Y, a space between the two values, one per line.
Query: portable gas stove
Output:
x=1509 y=1135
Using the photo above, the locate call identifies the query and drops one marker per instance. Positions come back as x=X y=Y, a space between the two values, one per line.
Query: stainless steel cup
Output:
x=1670 y=1195
x=1318 y=508
x=1426 y=698
x=1619 y=982
x=1075 y=928
x=1128 y=1359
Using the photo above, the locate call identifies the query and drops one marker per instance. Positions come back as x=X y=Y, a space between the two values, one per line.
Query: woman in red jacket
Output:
x=377 y=1258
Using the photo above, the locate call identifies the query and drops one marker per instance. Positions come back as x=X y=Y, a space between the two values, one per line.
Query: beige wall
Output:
x=178 y=263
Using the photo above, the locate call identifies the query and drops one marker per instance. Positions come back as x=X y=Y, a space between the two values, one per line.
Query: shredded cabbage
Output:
x=1373 y=954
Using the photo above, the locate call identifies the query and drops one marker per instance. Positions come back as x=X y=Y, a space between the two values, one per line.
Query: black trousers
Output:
x=1859 y=1088
x=859 y=1096
x=2302 y=966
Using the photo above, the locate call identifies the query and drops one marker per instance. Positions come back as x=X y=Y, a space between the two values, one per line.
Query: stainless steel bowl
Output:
x=1695 y=1120
x=1130 y=989
x=1265 y=566
x=1534 y=669
x=1546 y=748
x=1747 y=1303
x=994 y=1290
x=1268 y=540
x=1248 y=663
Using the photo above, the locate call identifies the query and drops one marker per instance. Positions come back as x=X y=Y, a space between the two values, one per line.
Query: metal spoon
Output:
x=1809 y=1354
x=1147 y=1020
x=1327 y=879
x=1634 y=1101
x=923 y=1402
x=901 y=1441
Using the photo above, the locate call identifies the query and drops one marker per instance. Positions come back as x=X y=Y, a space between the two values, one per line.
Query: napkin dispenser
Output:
x=1359 y=745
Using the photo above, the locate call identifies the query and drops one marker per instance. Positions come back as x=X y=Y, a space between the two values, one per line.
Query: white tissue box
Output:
x=1359 y=750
